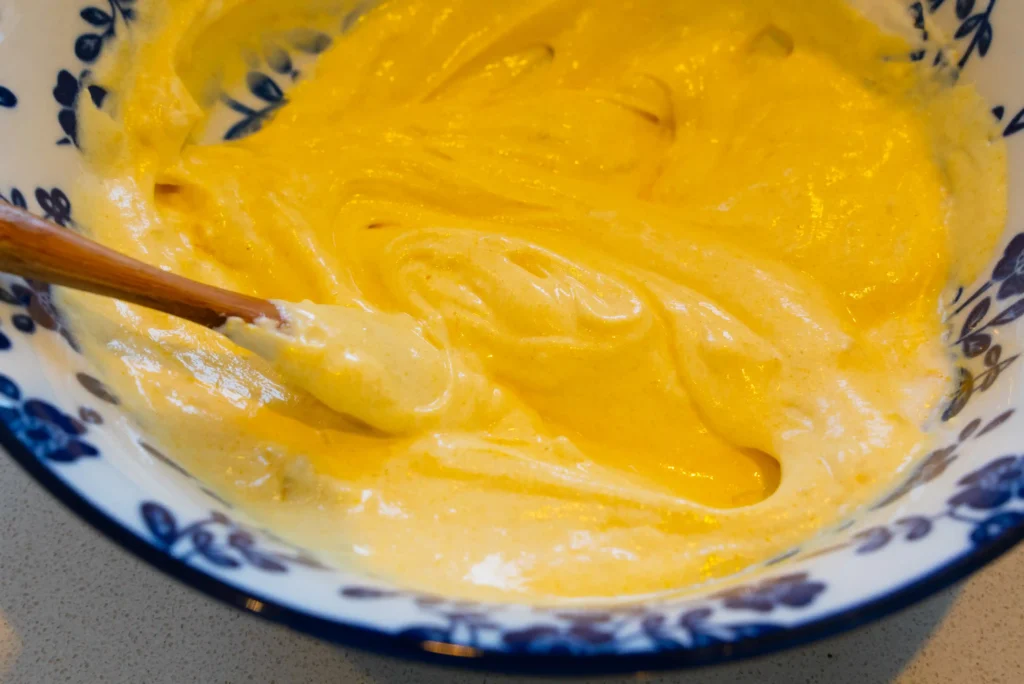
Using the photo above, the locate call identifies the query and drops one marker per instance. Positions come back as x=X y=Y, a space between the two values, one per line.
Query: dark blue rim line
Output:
x=538 y=664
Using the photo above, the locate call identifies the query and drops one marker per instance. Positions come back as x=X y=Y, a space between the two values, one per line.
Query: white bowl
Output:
x=960 y=508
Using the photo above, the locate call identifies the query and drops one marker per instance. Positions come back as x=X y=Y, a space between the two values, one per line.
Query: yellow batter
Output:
x=600 y=298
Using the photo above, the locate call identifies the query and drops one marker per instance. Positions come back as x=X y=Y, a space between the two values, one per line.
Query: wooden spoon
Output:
x=376 y=368
x=32 y=247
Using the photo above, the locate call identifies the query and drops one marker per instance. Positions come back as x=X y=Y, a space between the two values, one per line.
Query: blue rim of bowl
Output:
x=385 y=643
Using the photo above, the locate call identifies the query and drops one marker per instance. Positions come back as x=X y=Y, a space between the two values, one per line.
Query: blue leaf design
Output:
x=160 y=522
x=976 y=345
x=220 y=518
x=964 y=8
x=976 y=316
x=78 y=449
x=917 y=527
x=997 y=422
x=981 y=499
x=24 y=323
x=995 y=526
x=969 y=26
x=88 y=46
x=984 y=38
x=22 y=294
x=240 y=539
x=55 y=205
x=237 y=106
x=69 y=124
x=278 y=59
x=206 y=538
x=97 y=94
x=264 y=87
x=917 y=11
x=7 y=98
x=243 y=128
x=310 y=41
x=263 y=562
x=74 y=450
x=96 y=388
x=52 y=415
x=1016 y=124
x=96 y=16
x=66 y=90
x=9 y=388
x=18 y=199
x=202 y=540
x=993 y=467
x=61 y=456
x=1009 y=315
x=874 y=539
x=969 y=430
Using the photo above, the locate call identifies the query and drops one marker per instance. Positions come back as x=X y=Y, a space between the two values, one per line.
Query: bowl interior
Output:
x=960 y=506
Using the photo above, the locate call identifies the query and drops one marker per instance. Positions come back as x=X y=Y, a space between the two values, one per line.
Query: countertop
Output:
x=75 y=608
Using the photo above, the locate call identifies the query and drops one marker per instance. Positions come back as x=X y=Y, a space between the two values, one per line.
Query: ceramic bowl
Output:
x=962 y=506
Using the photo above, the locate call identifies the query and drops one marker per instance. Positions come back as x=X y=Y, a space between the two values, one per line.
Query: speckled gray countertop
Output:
x=75 y=608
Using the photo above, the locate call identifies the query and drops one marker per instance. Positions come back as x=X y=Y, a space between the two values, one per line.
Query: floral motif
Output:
x=53 y=204
x=973 y=338
x=976 y=338
x=15 y=198
x=597 y=632
x=47 y=431
x=577 y=635
x=987 y=489
x=88 y=46
x=265 y=89
x=66 y=93
x=992 y=486
x=791 y=591
x=95 y=387
x=36 y=297
x=974 y=25
x=1016 y=124
x=696 y=629
x=165 y=459
x=917 y=12
x=992 y=528
x=1010 y=271
x=217 y=540
x=875 y=538
x=935 y=464
x=970 y=384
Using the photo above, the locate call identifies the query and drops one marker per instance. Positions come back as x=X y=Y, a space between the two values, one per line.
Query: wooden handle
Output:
x=34 y=248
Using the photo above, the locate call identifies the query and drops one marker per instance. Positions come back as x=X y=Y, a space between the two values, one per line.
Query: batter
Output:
x=589 y=298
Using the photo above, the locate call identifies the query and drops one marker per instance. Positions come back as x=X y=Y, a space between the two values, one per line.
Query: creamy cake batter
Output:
x=592 y=298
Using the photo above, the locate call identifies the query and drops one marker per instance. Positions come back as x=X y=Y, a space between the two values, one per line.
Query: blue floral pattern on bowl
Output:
x=956 y=509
